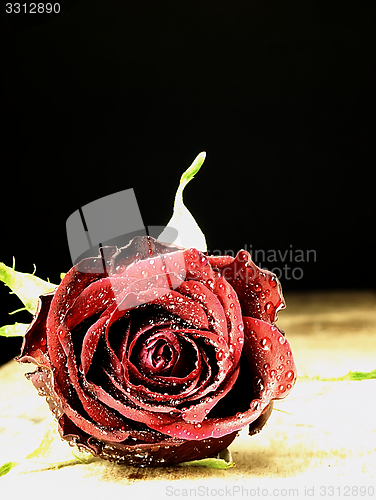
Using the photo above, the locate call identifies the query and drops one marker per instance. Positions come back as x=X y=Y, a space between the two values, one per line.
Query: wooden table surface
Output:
x=322 y=443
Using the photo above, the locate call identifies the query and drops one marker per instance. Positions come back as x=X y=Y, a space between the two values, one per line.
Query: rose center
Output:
x=161 y=355
x=158 y=354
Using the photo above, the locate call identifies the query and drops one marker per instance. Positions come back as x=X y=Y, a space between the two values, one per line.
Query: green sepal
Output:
x=16 y=330
x=26 y=286
x=191 y=171
x=7 y=467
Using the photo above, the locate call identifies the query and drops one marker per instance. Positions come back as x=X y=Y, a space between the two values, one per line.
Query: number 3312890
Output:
x=32 y=8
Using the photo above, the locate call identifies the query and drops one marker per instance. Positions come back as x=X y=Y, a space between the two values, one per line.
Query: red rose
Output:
x=163 y=357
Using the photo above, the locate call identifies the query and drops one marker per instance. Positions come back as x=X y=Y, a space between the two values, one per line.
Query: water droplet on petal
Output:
x=258 y=383
x=269 y=308
x=289 y=375
x=266 y=343
x=272 y=281
x=257 y=287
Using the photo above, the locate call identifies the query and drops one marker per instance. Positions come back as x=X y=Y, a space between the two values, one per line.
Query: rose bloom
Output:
x=153 y=355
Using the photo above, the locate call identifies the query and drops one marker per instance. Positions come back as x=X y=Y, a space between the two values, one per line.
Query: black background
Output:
x=111 y=95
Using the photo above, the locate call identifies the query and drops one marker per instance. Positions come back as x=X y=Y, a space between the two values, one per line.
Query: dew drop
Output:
x=255 y=405
x=242 y=256
x=281 y=388
x=282 y=340
x=258 y=383
x=266 y=366
x=272 y=281
x=289 y=375
x=269 y=308
x=273 y=373
x=257 y=287
x=266 y=343
x=241 y=327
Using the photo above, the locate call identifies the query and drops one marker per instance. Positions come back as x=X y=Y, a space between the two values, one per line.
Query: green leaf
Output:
x=359 y=375
x=189 y=233
x=349 y=376
x=222 y=461
x=26 y=286
x=16 y=330
x=83 y=456
x=212 y=463
x=5 y=468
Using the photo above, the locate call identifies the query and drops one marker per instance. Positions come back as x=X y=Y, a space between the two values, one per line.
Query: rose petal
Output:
x=185 y=308
x=34 y=345
x=258 y=290
x=228 y=298
x=268 y=351
x=211 y=304
x=43 y=381
x=72 y=285
x=139 y=248
x=97 y=297
x=97 y=411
